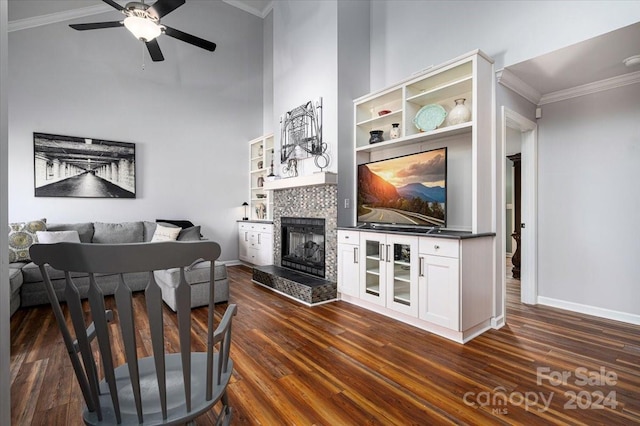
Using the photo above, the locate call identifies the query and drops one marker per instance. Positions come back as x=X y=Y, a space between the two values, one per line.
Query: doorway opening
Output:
x=519 y=136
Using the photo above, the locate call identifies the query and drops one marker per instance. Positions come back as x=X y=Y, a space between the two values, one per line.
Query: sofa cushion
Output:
x=165 y=233
x=15 y=279
x=85 y=230
x=31 y=273
x=198 y=273
x=148 y=229
x=118 y=233
x=51 y=237
x=21 y=236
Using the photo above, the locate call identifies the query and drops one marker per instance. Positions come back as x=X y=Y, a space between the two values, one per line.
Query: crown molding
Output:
x=509 y=80
x=252 y=10
x=590 y=88
x=52 y=18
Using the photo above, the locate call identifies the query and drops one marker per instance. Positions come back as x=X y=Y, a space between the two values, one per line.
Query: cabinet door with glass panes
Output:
x=261 y=166
x=401 y=258
x=373 y=267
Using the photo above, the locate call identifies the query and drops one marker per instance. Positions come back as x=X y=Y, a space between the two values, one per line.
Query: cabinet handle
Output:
x=421 y=266
x=388 y=257
x=381 y=253
x=246 y=236
x=259 y=238
x=437 y=247
x=355 y=255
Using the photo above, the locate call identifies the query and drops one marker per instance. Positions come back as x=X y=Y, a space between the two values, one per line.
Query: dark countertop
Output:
x=439 y=233
x=269 y=222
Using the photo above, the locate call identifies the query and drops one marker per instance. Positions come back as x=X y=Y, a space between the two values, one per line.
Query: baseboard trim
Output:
x=590 y=310
x=497 y=322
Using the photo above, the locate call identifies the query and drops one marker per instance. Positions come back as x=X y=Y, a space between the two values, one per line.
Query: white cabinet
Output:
x=255 y=243
x=261 y=160
x=389 y=271
x=439 y=278
x=443 y=285
x=348 y=263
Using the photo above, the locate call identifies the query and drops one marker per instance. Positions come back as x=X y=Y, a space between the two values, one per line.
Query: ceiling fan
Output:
x=144 y=23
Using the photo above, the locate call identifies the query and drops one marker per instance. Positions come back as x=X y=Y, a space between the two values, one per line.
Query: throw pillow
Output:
x=118 y=233
x=21 y=236
x=189 y=234
x=84 y=230
x=165 y=233
x=51 y=237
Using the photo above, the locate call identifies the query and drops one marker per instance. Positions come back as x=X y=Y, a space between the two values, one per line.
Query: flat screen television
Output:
x=408 y=191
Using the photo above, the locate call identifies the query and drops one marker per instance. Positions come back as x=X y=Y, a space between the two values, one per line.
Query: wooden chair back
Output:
x=165 y=388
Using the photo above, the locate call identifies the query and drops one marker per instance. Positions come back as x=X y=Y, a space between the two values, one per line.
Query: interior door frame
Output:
x=529 y=206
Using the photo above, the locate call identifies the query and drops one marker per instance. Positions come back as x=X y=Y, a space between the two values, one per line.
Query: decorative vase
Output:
x=260 y=181
x=260 y=151
x=395 y=131
x=376 y=136
x=460 y=113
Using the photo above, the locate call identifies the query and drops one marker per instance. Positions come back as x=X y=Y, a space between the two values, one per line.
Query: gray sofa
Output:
x=27 y=286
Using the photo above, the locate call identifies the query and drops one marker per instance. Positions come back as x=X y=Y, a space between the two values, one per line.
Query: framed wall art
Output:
x=69 y=166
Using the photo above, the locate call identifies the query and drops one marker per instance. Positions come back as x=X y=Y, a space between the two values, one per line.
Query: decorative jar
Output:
x=376 y=136
x=460 y=113
x=395 y=131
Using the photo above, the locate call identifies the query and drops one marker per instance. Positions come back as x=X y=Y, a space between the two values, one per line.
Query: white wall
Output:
x=5 y=340
x=354 y=61
x=305 y=66
x=190 y=116
x=409 y=35
x=588 y=200
x=267 y=75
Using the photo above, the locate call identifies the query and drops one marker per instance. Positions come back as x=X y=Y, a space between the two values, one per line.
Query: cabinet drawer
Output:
x=439 y=247
x=257 y=227
x=348 y=237
x=264 y=228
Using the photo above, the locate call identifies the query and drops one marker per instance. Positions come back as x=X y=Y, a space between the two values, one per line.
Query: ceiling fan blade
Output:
x=191 y=39
x=163 y=7
x=154 y=50
x=113 y=4
x=96 y=25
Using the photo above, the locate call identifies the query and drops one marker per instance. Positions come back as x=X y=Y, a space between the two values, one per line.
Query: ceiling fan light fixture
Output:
x=142 y=28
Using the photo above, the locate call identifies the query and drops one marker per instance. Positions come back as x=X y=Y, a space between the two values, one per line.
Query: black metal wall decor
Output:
x=301 y=134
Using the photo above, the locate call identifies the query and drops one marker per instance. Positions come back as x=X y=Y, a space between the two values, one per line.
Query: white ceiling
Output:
x=24 y=9
x=594 y=60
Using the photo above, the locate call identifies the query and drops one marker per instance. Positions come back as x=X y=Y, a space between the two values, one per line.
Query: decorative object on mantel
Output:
x=291 y=168
x=395 y=131
x=271 y=175
x=429 y=117
x=68 y=166
x=321 y=161
x=376 y=136
x=301 y=132
x=245 y=205
x=460 y=113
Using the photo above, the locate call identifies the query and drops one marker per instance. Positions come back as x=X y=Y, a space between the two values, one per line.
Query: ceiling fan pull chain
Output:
x=143 y=56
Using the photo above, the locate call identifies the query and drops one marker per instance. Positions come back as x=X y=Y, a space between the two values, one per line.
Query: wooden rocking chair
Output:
x=165 y=388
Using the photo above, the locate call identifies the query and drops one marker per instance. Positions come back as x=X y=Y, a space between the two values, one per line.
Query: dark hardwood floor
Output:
x=338 y=364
